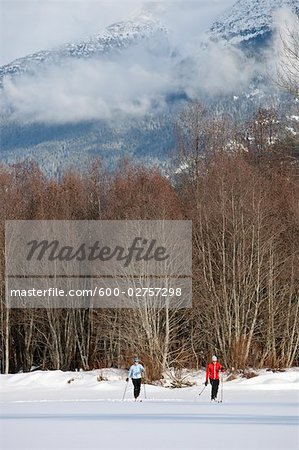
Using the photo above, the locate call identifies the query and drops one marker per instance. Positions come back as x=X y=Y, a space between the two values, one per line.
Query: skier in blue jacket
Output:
x=135 y=373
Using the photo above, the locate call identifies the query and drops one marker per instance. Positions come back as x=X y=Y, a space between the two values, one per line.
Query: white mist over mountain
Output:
x=134 y=66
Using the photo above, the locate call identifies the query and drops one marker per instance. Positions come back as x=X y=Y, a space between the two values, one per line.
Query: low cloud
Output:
x=133 y=84
x=137 y=83
x=221 y=69
x=89 y=90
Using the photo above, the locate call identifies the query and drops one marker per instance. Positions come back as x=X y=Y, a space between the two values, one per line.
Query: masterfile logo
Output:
x=140 y=250
x=112 y=247
x=98 y=258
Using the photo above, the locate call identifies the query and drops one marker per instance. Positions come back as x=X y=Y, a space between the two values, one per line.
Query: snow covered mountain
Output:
x=144 y=68
x=115 y=38
x=250 y=20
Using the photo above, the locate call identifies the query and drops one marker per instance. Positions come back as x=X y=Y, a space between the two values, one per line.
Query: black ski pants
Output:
x=137 y=385
x=215 y=386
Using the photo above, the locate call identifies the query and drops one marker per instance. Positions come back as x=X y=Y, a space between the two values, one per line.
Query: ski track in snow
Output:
x=213 y=418
x=257 y=414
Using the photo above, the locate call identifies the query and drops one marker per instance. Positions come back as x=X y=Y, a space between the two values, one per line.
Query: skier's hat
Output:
x=214 y=358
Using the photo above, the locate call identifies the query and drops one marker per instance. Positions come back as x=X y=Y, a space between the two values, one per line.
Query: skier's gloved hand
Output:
x=127 y=379
x=206 y=383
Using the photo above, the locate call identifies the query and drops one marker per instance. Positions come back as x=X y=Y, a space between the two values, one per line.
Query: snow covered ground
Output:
x=41 y=410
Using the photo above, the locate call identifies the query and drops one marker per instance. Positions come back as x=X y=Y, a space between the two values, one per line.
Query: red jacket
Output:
x=213 y=371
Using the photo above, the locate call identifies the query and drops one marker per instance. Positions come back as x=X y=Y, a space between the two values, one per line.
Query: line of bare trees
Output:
x=240 y=188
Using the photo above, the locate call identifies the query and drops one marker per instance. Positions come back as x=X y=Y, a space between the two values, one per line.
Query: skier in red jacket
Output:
x=212 y=374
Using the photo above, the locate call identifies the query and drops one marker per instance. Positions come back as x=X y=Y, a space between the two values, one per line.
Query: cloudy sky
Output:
x=30 y=25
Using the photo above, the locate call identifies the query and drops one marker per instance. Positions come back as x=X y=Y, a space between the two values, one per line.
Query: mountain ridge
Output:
x=249 y=19
x=150 y=136
x=117 y=36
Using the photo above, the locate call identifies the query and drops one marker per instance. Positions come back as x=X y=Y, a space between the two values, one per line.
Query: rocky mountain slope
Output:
x=250 y=20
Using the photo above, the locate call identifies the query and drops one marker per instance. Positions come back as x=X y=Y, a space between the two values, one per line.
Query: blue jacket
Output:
x=136 y=371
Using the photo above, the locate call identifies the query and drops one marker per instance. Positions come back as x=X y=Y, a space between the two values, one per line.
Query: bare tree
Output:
x=288 y=72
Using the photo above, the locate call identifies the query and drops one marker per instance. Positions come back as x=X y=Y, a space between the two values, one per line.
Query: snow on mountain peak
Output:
x=140 y=25
x=120 y=35
x=249 y=19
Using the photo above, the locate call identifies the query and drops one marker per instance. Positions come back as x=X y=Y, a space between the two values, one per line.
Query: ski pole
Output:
x=144 y=378
x=221 y=396
x=202 y=390
x=125 y=390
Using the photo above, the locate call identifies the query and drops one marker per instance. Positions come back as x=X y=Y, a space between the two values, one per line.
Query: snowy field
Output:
x=41 y=410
